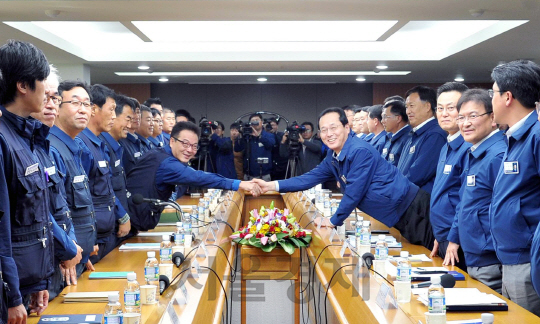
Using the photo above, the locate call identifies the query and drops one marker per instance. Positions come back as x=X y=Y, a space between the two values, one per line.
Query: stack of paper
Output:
x=108 y=275
x=465 y=299
x=139 y=246
x=88 y=297
x=153 y=234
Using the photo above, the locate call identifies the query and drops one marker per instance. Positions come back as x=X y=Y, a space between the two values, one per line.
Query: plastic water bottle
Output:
x=201 y=211
x=132 y=294
x=186 y=221
x=381 y=248
x=326 y=205
x=165 y=250
x=179 y=234
x=365 y=233
x=358 y=233
x=403 y=279
x=437 y=301
x=151 y=270
x=113 y=310
x=333 y=206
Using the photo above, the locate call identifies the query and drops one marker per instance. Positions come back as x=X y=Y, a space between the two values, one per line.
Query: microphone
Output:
x=164 y=283
x=178 y=258
x=368 y=259
x=447 y=281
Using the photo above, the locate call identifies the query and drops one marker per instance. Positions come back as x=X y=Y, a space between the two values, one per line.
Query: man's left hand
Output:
x=39 y=302
x=123 y=229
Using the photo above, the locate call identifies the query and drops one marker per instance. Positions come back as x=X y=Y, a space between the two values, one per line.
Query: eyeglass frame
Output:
x=195 y=147
x=53 y=97
x=491 y=92
x=78 y=103
x=465 y=118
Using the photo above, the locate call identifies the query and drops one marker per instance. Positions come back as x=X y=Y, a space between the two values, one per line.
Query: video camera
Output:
x=294 y=131
x=207 y=126
x=245 y=128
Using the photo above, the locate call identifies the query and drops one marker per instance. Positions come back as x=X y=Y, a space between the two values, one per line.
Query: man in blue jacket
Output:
x=396 y=124
x=470 y=229
x=375 y=126
x=445 y=193
x=260 y=146
x=366 y=180
x=417 y=161
x=222 y=148
x=132 y=144
x=515 y=212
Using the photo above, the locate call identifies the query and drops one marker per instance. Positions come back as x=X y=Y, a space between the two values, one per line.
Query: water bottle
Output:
x=358 y=233
x=403 y=279
x=381 y=254
x=151 y=271
x=165 y=249
x=179 y=234
x=186 y=220
x=200 y=210
x=319 y=200
x=333 y=206
x=132 y=294
x=365 y=233
x=437 y=302
x=113 y=310
x=326 y=205
x=194 y=219
x=206 y=209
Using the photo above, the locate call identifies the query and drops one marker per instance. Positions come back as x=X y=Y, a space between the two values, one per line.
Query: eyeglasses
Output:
x=55 y=99
x=388 y=116
x=332 y=129
x=78 y=103
x=491 y=92
x=308 y=130
x=471 y=117
x=186 y=144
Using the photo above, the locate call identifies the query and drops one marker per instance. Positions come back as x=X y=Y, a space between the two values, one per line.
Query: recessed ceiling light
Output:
x=361 y=79
x=269 y=73
x=382 y=67
x=143 y=67
x=262 y=79
x=459 y=79
x=163 y=79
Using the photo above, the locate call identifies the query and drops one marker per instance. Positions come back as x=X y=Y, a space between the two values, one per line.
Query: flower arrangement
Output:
x=269 y=227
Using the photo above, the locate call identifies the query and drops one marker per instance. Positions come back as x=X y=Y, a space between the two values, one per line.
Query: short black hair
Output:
x=273 y=119
x=180 y=126
x=220 y=124
x=255 y=115
x=151 y=101
x=480 y=96
x=452 y=86
x=182 y=112
x=521 y=78
x=358 y=109
x=394 y=98
x=397 y=108
x=100 y=93
x=310 y=124
x=145 y=108
x=70 y=84
x=375 y=112
x=20 y=62
x=235 y=126
x=168 y=111
x=351 y=107
x=121 y=101
x=136 y=103
x=426 y=94
x=342 y=117
x=155 y=112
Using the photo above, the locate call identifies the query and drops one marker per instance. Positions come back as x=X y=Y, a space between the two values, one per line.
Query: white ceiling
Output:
x=423 y=40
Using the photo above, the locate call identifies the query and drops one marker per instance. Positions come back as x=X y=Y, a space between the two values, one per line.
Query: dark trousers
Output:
x=442 y=253
x=414 y=224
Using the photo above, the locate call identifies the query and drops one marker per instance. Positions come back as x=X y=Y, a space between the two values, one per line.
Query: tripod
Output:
x=204 y=155
x=293 y=163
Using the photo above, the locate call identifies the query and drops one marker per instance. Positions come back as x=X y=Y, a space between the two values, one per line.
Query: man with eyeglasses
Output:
x=73 y=116
x=470 y=228
x=310 y=154
x=395 y=121
x=515 y=207
x=376 y=128
x=417 y=161
x=158 y=173
x=168 y=124
x=146 y=129
x=445 y=193
x=366 y=180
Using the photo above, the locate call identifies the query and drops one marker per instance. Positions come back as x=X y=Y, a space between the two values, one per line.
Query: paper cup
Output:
x=132 y=318
x=148 y=294
x=166 y=269
x=435 y=318
x=178 y=248
x=187 y=241
x=380 y=267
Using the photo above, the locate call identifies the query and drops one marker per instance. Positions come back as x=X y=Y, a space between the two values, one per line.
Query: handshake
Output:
x=257 y=186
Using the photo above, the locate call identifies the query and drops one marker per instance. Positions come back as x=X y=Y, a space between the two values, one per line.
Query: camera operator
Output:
x=221 y=151
x=279 y=165
x=257 y=146
x=238 y=156
x=309 y=155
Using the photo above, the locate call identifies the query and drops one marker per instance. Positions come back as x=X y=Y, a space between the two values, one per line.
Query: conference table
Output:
x=207 y=301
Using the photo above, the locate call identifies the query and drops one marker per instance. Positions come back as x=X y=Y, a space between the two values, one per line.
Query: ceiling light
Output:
x=143 y=67
x=361 y=79
x=163 y=79
x=382 y=67
x=281 y=73
x=262 y=79
x=459 y=79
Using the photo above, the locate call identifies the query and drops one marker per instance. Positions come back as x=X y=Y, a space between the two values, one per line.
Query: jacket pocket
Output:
x=30 y=200
x=81 y=195
x=32 y=259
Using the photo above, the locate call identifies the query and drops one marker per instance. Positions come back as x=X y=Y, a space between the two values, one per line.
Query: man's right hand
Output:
x=69 y=274
x=285 y=137
x=17 y=315
x=435 y=251
x=265 y=186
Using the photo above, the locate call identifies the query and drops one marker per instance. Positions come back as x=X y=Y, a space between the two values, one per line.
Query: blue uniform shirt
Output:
x=166 y=138
x=146 y=145
x=366 y=180
x=259 y=147
x=223 y=148
x=119 y=210
x=379 y=141
x=132 y=151
x=394 y=145
x=417 y=161
x=368 y=137
x=515 y=208
x=445 y=193
x=470 y=227
x=156 y=141
x=535 y=260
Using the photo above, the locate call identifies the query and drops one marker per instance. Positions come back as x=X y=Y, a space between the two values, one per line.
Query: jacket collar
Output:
x=482 y=148
x=63 y=137
x=25 y=127
x=112 y=142
x=529 y=122
x=427 y=126
x=456 y=143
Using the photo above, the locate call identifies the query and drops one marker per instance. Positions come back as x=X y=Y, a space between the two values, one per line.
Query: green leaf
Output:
x=281 y=235
x=287 y=246
x=243 y=241
x=297 y=242
x=272 y=205
x=255 y=242
x=269 y=247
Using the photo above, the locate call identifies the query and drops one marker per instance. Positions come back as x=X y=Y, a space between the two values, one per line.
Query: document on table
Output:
x=465 y=299
x=88 y=297
x=139 y=246
x=153 y=234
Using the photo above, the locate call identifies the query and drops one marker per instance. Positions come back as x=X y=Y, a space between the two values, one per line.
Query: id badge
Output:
x=511 y=167
x=447 y=169
x=411 y=150
x=471 y=180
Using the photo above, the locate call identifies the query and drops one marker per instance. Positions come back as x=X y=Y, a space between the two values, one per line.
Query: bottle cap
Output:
x=436 y=280
x=178 y=224
x=113 y=297
x=166 y=237
x=382 y=237
x=487 y=318
x=404 y=254
x=132 y=276
x=365 y=223
x=151 y=254
x=353 y=223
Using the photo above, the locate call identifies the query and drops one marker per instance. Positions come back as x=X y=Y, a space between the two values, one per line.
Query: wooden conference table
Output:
x=207 y=301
